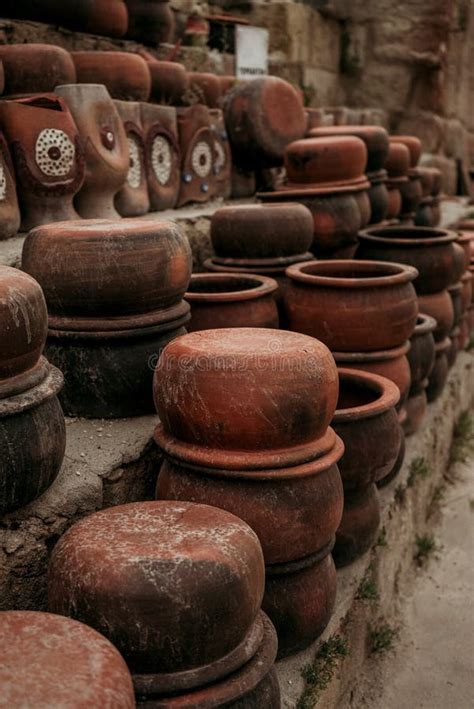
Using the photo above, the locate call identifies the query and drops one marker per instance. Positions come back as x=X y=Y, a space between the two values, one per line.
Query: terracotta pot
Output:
x=374 y=137
x=467 y=291
x=397 y=163
x=125 y=75
x=206 y=88
x=466 y=242
x=411 y=193
x=222 y=155
x=421 y=354
x=364 y=203
x=359 y=525
x=48 y=157
x=60 y=662
x=132 y=200
x=460 y=262
x=162 y=155
x=262 y=117
x=220 y=300
x=440 y=307
x=169 y=81
x=325 y=162
x=105 y=145
x=353 y=305
x=259 y=231
x=430 y=251
x=439 y=373
x=9 y=210
x=424 y=215
x=299 y=599
x=198 y=179
x=455 y=348
x=378 y=196
x=455 y=293
x=148 y=570
x=35 y=68
x=150 y=22
x=402 y=417
x=394 y=199
x=412 y=143
x=416 y=407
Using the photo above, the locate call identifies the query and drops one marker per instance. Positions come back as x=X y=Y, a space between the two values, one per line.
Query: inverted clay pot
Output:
x=196 y=141
x=162 y=155
x=325 y=162
x=206 y=88
x=439 y=373
x=49 y=660
x=125 y=75
x=35 y=68
x=169 y=81
x=412 y=143
x=47 y=155
x=222 y=157
x=375 y=139
x=440 y=307
x=397 y=163
x=9 y=210
x=359 y=525
x=223 y=300
x=132 y=200
x=105 y=148
x=150 y=21
x=352 y=306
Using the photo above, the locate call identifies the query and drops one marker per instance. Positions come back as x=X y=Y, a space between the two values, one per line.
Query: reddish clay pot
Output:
x=461 y=263
x=430 y=251
x=397 y=163
x=222 y=155
x=421 y=354
x=35 y=68
x=150 y=21
x=412 y=143
x=411 y=193
x=132 y=200
x=364 y=203
x=125 y=75
x=466 y=242
x=169 y=81
x=374 y=137
x=394 y=199
x=439 y=373
x=378 y=196
x=198 y=179
x=48 y=660
x=148 y=570
x=352 y=306
x=262 y=117
x=220 y=300
x=106 y=17
x=47 y=155
x=416 y=407
x=206 y=88
x=359 y=525
x=162 y=155
x=105 y=146
x=299 y=598
x=427 y=179
x=402 y=417
x=440 y=307
x=9 y=210
x=455 y=293
x=261 y=231
x=325 y=162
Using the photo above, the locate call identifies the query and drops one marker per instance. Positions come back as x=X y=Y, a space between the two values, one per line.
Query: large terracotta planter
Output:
x=440 y=371
x=49 y=660
x=48 y=157
x=198 y=179
x=223 y=300
x=125 y=75
x=150 y=21
x=105 y=147
x=222 y=158
x=162 y=155
x=375 y=139
x=9 y=210
x=35 y=68
x=352 y=306
x=132 y=200
x=169 y=81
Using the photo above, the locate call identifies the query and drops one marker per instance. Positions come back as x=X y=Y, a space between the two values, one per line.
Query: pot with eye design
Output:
x=105 y=148
x=9 y=210
x=132 y=200
x=162 y=155
x=222 y=163
x=198 y=181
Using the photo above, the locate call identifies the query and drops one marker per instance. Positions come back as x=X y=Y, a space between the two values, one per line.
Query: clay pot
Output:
x=150 y=21
x=402 y=417
x=359 y=525
x=421 y=354
x=440 y=307
x=206 y=87
x=261 y=231
x=325 y=162
x=374 y=137
x=35 y=68
x=424 y=215
x=9 y=210
x=48 y=660
x=416 y=407
x=220 y=300
x=397 y=163
x=467 y=291
x=460 y=262
x=227 y=82
x=430 y=251
x=394 y=200
x=198 y=179
x=169 y=81
x=365 y=207
x=352 y=306
x=125 y=75
x=47 y=155
x=455 y=293
x=436 y=211
x=378 y=196
x=412 y=143
x=222 y=155
x=162 y=155
x=411 y=193
x=455 y=348
x=132 y=200
x=466 y=242
x=262 y=117
x=105 y=146
x=439 y=373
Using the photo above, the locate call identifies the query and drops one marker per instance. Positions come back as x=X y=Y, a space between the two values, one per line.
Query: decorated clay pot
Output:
x=359 y=525
x=206 y=88
x=325 y=162
x=49 y=660
x=125 y=75
x=9 y=210
x=35 y=68
x=221 y=300
x=375 y=139
x=440 y=307
x=105 y=144
x=132 y=200
x=48 y=157
x=162 y=155
x=439 y=373
x=222 y=155
x=198 y=179
x=150 y=21
x=352 y=306
x=262 y=117
x=430 y=251
x=169 y=81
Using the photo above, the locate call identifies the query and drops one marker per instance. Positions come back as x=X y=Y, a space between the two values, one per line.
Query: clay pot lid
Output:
x=50 y=660
x=412 y=143
x=375 y=139
x=408 y=236
x=351 y=274
x=376 y=395
x=275 y=269
x=397 y=163
x=225 y=288
x=375 y=356
x=323 y=162
x=424 y=325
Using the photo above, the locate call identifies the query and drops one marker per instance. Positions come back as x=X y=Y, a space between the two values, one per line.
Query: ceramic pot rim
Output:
x=439 y=237
x=292 y=567
x=314 y=189
x=387 y=396
x=391 y=274
x=272 y=262
x=263 y=287
x=49 y=387
x=272 y=271
x=443 y=346
x=465 y=236
x=455 y=288
x=23 y=381
x=375 y=356
x=428 y=324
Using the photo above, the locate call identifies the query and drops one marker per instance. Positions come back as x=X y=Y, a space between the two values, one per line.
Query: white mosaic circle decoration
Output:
x=161 y=159
x=134 y=176
x=201 y=159
x=3 y=183
x=54 y=153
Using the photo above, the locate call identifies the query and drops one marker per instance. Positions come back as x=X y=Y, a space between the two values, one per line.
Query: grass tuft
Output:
x=319 y=674
x=400 y=494
x=382 y=638
x=425 y=546
x=418 y=469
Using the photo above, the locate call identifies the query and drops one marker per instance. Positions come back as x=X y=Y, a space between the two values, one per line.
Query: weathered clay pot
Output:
x=9 y=210
x=48 y=157
x=439 y=373
x=440 y=307
x=125 y=75
x=198 y=180
x=430 y=251
x=412 y=143
x=169 y=81
x=374 y=137
x=49 y=660
x=421 y=354
x=378 y=196
x=35 y=68
x=162 y=155
x=150 y=21
x=397 y=163
x=132 y=200
x=352 y=306
x=206 y=87
x=221 y=300
x=261 y=231
x=359 y=525
x=299 y=598
x=325 y=162
x=105 y=146
x=262 y=117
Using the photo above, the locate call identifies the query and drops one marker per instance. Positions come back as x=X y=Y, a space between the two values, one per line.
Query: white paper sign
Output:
x=251 y=52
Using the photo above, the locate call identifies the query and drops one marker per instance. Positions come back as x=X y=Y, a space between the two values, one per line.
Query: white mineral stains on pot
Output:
x=162 y=159
x=134 y=176
x=54 y=153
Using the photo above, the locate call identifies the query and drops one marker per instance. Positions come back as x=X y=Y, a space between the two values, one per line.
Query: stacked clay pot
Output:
x=114 y=293
x=9 y=209
x=428 y=212
x=125 y=75
x=377 y=144
x=177 y=587
x=411 y=190
x=244 y=418
x=397 y=166
x=49 y=660
x=169 y=80
x=421 y=357
x=327 y=176
x=31 y=420
x=365 y=414
x=205 y=88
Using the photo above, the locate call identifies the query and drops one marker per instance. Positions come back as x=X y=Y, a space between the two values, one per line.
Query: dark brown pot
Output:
x=132 y=200
x=35 y=68
x=430 y=251
x=125 y=75
x=325 y=162
x=222 y=155
x=206 y=88
x=76 y=662
x=48 y=157
x=439 y=373
x=421 y=354
x=262 y=117
x=220 y=300
x=352 y=305
x=455 y=348
x=162 y=155
x=397 y=163
x=169 y=81
x=424 y=214
x=145 y=571
x=412 y=143
x=198 y=179
x=359 y=525
x=244 y=183
x=299 y=599
x=374 y=137
x=440 y=307
x=461 y=263
x=378 y=197
x=415 y=407
x=9 y=210
x=150 y=22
